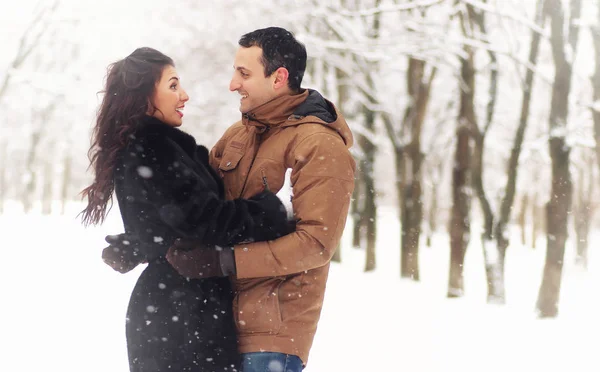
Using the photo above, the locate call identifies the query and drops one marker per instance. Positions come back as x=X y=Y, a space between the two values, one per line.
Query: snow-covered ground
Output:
x=63 y=309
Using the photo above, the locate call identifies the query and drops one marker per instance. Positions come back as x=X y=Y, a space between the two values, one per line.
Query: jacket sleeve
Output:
x=323 y=182
x=189 y=203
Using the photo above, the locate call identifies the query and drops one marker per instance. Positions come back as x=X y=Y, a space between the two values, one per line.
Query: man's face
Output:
x=249 y=79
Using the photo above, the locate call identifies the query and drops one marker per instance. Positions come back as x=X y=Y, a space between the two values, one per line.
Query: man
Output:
x=279 y=284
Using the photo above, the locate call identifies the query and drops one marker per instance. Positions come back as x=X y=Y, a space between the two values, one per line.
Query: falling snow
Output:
x=144 y=172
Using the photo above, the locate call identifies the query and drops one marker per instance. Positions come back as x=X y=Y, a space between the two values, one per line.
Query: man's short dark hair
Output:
x=279 y=49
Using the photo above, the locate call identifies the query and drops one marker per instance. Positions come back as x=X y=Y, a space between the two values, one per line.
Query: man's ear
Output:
x=281 y=78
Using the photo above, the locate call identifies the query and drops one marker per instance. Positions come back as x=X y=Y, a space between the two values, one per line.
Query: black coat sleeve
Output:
x=186 y=199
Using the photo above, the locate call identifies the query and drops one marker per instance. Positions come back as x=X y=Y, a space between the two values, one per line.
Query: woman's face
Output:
x=169 y=98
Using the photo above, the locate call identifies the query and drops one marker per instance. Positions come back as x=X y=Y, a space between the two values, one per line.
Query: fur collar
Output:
x=151 y=126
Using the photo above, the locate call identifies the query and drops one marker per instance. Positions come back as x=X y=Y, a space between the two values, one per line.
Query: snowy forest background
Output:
x=477 y=128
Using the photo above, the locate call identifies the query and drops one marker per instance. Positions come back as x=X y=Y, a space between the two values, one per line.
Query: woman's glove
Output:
x=123 y=253
x=194 y=261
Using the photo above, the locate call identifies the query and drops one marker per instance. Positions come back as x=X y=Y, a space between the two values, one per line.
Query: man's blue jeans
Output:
x=270 y=362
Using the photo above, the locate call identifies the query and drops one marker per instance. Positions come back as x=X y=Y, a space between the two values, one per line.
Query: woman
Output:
x=166 y=190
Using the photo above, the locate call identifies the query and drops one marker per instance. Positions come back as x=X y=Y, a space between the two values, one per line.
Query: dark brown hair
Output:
x=130 y=85
x=279 y=49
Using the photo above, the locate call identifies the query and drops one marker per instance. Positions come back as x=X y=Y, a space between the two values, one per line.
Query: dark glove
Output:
x=274 y=222
x=123 y=253
x=195 y=261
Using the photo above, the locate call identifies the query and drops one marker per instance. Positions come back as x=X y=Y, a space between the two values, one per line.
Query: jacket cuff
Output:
x=227 y=261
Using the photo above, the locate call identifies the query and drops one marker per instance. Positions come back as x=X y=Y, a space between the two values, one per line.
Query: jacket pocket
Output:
x=230 y=161
x=257 y=310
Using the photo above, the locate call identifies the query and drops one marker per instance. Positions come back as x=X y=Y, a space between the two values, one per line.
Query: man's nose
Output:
x=234 y=84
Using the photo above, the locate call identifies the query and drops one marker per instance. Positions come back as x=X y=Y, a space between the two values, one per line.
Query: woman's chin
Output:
x=175 y=122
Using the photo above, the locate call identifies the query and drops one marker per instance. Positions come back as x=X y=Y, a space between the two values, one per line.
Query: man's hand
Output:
x=201 y=261
x=122 y=254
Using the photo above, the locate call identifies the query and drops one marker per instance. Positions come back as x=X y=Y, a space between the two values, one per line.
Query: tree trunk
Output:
x=65 y=196
x=583 y=215
x=410 y=192
x=47 y=189
x=433 y=206
x=357 y=212
x=401 y=163
x=538 y=217
x=342 y=97
x=460 y=224
x=502 y=238
x=431 y=219
x=3 y=166
x=523 y=218
x=356 y=207
x=559 y=206
x=30 y=176
x=493 y=258
x=596 y=83
x=369 y=163
x=370 y=209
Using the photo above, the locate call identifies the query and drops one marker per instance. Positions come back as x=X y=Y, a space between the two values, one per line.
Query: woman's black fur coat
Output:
x=166 y=190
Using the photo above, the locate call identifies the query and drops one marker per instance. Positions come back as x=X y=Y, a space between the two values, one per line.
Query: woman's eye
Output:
x=173 y=86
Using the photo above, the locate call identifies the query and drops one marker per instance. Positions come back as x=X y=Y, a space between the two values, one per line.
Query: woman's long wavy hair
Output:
x=130 y=85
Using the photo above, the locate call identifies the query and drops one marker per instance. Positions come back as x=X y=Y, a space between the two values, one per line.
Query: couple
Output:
x=231 y=284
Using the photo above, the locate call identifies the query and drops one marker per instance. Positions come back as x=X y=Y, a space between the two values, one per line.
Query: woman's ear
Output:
x=151 y=109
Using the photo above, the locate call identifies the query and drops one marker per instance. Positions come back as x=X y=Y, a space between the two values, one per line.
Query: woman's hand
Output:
x=122 y=254
x=195 y=261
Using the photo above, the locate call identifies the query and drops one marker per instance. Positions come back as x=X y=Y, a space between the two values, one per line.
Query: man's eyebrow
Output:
x=240 y=68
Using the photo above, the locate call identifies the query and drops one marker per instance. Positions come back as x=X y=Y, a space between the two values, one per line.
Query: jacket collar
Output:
x=274 y=112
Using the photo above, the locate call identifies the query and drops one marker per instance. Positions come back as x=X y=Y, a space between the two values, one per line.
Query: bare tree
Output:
x=584 y=205
x=409 y=160
x=342 y=99
x=522 y=217
x=368 y=176
x=3 y=167
x=367 y=145
x=356 y=212
x=66 y=182
x=492 y=264
x=596 y=83
x=495 y=238
x=48 y=178
x=460 y=223
x=559 y=206
x=435 y=176
x=30 y=40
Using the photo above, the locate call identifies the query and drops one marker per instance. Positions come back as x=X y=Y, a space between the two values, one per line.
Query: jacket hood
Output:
x=317 y=109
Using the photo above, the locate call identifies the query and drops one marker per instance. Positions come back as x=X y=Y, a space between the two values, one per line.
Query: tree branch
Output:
x=389 y=8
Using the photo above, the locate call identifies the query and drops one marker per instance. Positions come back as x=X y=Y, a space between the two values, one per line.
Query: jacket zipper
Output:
x=264 y=179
